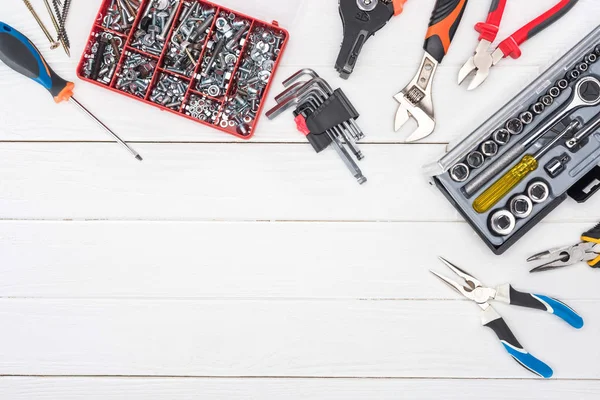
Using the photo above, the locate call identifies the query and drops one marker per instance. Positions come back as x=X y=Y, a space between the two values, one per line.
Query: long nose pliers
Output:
x=586 y=251
x=485 y=57
x=483 y=295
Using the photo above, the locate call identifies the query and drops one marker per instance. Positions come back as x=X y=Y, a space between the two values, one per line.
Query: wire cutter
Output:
x=482 y=295
x=485 y=57
x=586 y=251
x=361 y=20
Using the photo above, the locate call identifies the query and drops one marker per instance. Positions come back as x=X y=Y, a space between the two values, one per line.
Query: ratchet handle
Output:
x=510 y=47
x=496 y=323
x=593 y=236
x=489 y=30
x=548 y=304
x=444 y=22
x=17 y=52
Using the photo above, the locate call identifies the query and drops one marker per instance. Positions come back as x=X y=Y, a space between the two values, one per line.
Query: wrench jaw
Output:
x=416 y=101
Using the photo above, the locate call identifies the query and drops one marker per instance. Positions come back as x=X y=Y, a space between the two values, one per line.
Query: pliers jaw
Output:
x=566 y=256
x=479 y=66
x=474 y=290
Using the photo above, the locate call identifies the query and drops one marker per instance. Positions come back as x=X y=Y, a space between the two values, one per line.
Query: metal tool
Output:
x=485 y=57
x=587 y=251
x=585 y=94
x=588 y=129
x=309 y=97
x=361 y=20
x=521 y=206
x=474 y=290
x=557 y=165
x=503 y=222
x=18 y=53
x=416 y=98
x=519 y=172
x=53 y=43
x=538 y=191
x=63 y=39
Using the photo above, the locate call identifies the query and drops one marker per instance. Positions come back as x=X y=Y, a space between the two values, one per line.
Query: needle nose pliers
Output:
x=483 y=295
x=586 y=251
x=485 y=57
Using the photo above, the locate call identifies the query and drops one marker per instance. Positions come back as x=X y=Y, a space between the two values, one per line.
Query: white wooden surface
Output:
x=226 y=270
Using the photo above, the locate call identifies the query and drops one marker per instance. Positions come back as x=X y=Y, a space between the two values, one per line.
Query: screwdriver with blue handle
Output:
x=18 y=53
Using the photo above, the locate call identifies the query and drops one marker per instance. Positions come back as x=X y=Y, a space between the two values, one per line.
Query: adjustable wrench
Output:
x=416 y=98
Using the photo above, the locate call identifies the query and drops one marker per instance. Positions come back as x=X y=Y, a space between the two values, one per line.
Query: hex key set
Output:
x=540 y=149
x=189 y=57
x=325 y=116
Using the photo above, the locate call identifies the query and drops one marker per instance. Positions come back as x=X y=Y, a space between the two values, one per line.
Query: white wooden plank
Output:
x=269 y=260
x=17 y=388
x=220 y=181
x=284 y=339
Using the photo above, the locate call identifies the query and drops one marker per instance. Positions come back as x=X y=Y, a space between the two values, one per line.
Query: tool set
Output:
x=485 y=57
x=187 y=57
x=17 y=52
x=416 y=99
x=482 y=295
x=548 y=147
x=586 y=251
x=326 y=117
x=361 y=19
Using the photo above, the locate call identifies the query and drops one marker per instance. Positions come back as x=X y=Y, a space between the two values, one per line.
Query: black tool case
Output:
x=563 y=171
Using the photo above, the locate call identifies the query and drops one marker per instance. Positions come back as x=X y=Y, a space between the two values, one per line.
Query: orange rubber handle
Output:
x=445 y=20
x=398 y=6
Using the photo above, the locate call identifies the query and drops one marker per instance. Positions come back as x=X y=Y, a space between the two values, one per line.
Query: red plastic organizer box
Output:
x=193 y=58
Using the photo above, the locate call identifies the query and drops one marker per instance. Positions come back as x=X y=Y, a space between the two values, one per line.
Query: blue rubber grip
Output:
x=529 y=362
x=17 y=52
x=562 y=311
x=515 y=349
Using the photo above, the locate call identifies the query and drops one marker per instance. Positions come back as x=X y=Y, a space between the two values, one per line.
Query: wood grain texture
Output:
x=300 y=338
x=225 y=182
x=291 y=389
x=194 y=260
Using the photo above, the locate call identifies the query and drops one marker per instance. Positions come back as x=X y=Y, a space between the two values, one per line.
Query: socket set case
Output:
x=533 y=178
x=193 y=58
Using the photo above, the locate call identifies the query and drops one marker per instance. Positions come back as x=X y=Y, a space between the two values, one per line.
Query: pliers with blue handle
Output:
x=586 y=251
x=482 y=295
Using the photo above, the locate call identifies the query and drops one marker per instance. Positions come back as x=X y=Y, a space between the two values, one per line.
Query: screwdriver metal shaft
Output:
x=106 y=128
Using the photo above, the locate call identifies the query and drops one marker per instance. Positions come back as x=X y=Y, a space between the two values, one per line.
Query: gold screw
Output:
x=53 y=43
x=57 y=27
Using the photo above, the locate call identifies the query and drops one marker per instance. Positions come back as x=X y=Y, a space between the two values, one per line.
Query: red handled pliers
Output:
x=484 y=59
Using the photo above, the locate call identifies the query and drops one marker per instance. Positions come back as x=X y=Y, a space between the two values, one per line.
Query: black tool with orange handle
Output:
x=444 y=22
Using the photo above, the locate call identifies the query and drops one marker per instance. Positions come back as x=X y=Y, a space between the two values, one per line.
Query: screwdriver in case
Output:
x=18 y=53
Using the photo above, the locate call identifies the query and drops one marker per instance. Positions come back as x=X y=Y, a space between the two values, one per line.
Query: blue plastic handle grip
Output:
x=529 y=362
x=562 y=311
x=17 y=52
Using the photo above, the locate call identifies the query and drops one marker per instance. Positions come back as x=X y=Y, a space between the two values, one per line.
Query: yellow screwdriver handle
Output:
x=504 y=185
